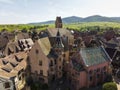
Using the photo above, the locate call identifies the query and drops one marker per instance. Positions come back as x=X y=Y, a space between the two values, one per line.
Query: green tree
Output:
x=110 y=86
x=45 y=87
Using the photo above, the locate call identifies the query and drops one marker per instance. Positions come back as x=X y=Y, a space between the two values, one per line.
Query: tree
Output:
x=24 y=30
x=29 y=80
x=45 y=87
x=110 y=86
x=108 y=78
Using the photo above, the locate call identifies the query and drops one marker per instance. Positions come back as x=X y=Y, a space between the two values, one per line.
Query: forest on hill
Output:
x=85 y=26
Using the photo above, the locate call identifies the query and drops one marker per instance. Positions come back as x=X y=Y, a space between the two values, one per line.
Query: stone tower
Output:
x=58 y=22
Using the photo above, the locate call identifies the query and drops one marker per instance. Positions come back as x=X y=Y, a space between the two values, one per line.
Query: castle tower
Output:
x=58 y=22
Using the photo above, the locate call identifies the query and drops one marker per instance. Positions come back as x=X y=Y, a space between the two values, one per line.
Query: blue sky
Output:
x=26 y=11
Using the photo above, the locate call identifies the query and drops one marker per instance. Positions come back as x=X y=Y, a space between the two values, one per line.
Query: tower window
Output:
x=51 y=63
x=55 y=61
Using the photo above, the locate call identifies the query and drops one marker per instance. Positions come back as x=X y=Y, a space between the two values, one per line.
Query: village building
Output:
x=108 y=35
x=46 y=62
x=7 y=35
x=111 y=46
x=88 y=67
x=54 y=53
x=116 y=63
x=21 y=35
x=3 y=43
x=18 y=46
x=12 y=71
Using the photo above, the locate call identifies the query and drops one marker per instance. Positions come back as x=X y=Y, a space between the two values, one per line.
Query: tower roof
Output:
x=58 y=41
x=58 y=33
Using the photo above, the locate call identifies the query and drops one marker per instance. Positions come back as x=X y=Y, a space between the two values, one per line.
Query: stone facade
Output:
x=46 y=65
x=87 y=69
x=13 y=71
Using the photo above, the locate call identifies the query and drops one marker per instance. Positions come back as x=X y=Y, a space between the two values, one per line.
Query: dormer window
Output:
x=28 y=46
x=22 y=42
x=24 y=46
x=6 y=69
x=4 y=62
x=51 y=63
x=7 y=85
x=18 y=59
x=26 y=41
x=14 y=64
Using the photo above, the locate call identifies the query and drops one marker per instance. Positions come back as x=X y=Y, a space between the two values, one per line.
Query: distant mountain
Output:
x=71 y=19
x=98 y=18
x=75 y=19
x=46 y=22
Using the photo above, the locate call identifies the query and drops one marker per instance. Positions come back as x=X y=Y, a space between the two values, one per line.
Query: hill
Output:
x=75 y=19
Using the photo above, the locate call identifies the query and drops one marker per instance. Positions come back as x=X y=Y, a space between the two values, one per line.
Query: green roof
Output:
x=94 y=56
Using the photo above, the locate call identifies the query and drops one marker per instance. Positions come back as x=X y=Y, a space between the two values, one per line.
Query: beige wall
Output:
x=35 y=58
x=66 y=58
